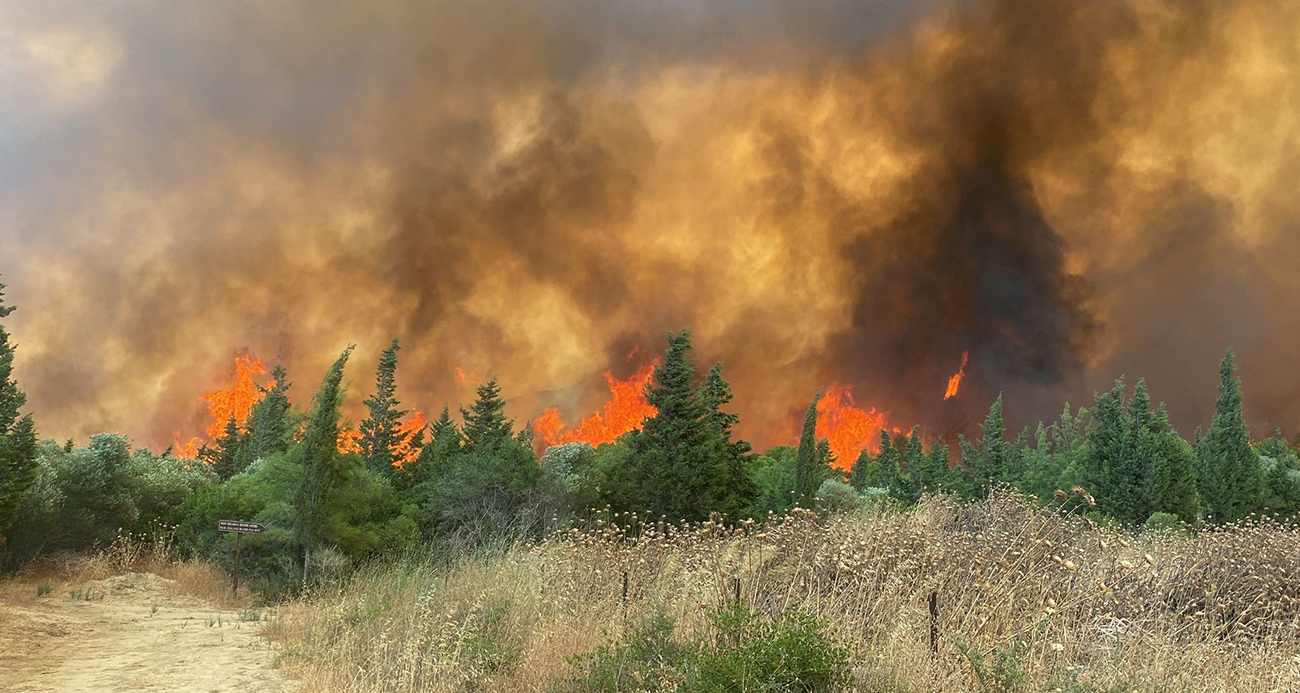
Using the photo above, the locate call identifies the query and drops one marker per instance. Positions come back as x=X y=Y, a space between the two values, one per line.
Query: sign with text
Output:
x=240 y=527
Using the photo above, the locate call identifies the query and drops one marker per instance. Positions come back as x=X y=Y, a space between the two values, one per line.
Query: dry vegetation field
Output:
x=1028 y=599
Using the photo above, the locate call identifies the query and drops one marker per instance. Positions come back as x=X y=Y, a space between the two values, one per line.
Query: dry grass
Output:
x=128 y=553
x=1217 y=612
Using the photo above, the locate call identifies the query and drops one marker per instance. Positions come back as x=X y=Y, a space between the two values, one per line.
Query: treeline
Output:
x=476 y=478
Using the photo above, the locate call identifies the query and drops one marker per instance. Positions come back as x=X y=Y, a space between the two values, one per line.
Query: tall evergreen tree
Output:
x=486 y=425
x=1110 y=456
x=318 y=458
x=379 y=432
x=17 y=434
x=732 y=490
x=908 y=481
x=1231 y=480
x=986 y=460
x=1172 y=479
x=809 y=469
x=230 y=455
x=270 y=428
x=444 y=442
x=672 y=454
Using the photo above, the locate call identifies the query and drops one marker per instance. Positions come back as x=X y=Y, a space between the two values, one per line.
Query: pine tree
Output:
x=1172 y=479
x=731 y=489
x=444 y=442
x=230 y=455
x=317 y=455
x=809 y=471
x=1231 y=480
x=1281 y=467
x=270 y=429
x=379 y=432
x=17 y=434
x=908 y=481
x=1110 y=452
x=987 y=459
x=486 y=425
x=888 y=460
x=865 y=472
x=671 y=461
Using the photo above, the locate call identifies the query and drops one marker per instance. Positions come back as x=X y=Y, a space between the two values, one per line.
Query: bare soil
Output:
x=130 y=633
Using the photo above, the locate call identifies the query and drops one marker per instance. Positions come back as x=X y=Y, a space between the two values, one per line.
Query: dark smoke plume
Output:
x=827 y=191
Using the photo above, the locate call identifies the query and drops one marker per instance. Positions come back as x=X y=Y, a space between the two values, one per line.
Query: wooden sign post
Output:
x=240 y=528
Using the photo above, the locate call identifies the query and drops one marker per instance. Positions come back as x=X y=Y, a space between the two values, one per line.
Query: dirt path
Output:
x=128 y=633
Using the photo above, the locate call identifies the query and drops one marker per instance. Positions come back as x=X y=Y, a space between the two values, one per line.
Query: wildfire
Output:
x=349 y=440
x=406 y=452
x=954 y=383
x=849 y=429
x=626 y=409
x=460 y=376
x=236 y=401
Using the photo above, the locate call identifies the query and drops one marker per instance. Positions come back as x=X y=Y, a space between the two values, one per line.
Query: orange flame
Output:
x=460 y=376
x=349 y=440
x=954 y=383
x=236 y=401
x=849 y=429
x=406 y=452
x=626 y=409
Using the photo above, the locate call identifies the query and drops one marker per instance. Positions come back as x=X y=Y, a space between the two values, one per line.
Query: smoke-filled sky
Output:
x=828 y=192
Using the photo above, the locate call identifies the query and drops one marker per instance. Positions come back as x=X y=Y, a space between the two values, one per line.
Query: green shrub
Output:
x=836 y=496
x=1164 y=522
x=790 y=652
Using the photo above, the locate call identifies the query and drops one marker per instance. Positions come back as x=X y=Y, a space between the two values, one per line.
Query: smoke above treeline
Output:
x=828 y=192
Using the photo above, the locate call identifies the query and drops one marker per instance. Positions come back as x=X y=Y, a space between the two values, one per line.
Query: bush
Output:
x=789 y=652
x=1164 y=522
x=835 y=496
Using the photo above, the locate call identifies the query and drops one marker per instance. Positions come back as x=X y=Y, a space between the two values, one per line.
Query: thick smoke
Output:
x=829 y=192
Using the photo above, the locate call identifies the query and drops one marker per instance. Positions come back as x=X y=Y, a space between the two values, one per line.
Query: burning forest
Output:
x=965 y=328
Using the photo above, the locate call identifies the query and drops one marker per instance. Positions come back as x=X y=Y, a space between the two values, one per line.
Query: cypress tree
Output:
x=1172 y=480
x=987 y=459
x=230 y=455
x=444 y=442
x=909 y=484
x=17 y=434
x=270 y=429
x=732 y=490
x=1110 y=450
x=486 y=425
x=317 y=456
x=1231 y=479
x=672 y=454
x=888 y=461
x=379 y=432
x=809 y=470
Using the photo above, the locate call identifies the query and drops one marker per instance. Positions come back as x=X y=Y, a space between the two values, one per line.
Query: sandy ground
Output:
x=118 y=641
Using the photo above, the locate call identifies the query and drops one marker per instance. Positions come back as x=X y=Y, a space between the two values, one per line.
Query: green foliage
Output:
x=1161 y=523
x=789 y=652
x=809 y=469
x=1004 y=674
x=987 y=459
x=1230 y=475
x=230 y=458
x=682 y=463
x=836 y=496
x=774 y=477
x=270 y=425
x=17 y=434
x=379 y=432
x=445 y=441
x=486 y=425
x=322 y=467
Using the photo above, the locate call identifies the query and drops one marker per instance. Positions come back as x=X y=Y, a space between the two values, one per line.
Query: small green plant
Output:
x=43 y=589
x=1004 y=674
x=485 y=647
x=251 y=614
x=214 y=621
x=153 y=609
x=748 y=651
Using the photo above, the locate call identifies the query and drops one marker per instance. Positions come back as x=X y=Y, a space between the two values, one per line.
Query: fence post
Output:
x=934 y=624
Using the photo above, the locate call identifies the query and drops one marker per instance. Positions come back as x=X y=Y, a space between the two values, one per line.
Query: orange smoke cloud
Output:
x=954 y=383
x=626 y=409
